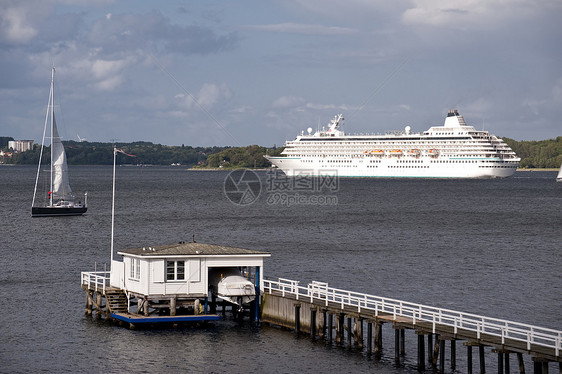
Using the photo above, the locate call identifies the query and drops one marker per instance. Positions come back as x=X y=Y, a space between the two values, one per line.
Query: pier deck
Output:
x=135 y=318
x=296 y=305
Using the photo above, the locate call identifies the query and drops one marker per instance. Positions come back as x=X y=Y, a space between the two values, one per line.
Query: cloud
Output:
x=116 y=33
x=110 y=83
x=304 y=29
x=209 y=95
x=466 y=13
x=288 y=102
x=15 y=25
x=343 y=107
x=99 y=73
x=357 y=10
x=105 y=68
x=244 y=109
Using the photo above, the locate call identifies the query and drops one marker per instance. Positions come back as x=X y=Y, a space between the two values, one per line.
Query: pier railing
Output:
x=320 y=292
x=95 y=280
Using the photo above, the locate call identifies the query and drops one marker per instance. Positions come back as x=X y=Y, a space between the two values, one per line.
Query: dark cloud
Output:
x=130 y=32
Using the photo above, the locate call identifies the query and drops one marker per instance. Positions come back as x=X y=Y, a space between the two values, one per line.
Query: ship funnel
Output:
x=454 y=119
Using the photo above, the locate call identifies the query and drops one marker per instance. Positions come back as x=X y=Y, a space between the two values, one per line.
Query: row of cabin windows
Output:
x=175 y=271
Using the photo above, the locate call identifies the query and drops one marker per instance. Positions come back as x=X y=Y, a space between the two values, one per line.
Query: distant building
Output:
x=20 y=145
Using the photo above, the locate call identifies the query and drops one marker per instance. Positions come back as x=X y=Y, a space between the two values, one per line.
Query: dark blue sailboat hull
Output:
x=57 y=211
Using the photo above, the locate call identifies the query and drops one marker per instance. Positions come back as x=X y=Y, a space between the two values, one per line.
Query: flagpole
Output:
x=113 y=203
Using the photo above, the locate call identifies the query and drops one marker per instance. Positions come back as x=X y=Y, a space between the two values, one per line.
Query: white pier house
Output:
x=173 y=283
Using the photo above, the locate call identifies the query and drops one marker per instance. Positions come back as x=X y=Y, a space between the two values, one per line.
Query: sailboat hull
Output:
x=57 y=211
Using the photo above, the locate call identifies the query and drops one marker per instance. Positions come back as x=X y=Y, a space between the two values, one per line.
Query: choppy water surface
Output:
x=490 y=247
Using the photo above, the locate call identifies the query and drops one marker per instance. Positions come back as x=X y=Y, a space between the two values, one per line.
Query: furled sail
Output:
x=61 y=187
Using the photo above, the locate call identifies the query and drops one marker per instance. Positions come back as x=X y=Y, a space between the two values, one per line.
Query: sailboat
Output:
x=559 y=176
x=60 y=200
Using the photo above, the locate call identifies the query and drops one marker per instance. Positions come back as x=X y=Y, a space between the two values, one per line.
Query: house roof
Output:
x=191 y=249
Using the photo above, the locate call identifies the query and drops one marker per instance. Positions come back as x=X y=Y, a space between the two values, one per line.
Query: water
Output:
x=490 y=247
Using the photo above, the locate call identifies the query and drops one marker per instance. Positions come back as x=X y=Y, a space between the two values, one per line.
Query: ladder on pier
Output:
x=116 y=300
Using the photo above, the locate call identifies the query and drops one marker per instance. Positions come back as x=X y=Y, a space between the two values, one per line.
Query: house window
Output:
x=175 y=270
x=135 y=268
x=132 y=275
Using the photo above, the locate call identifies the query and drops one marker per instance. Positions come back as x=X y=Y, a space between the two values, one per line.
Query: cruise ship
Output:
x=454 y=150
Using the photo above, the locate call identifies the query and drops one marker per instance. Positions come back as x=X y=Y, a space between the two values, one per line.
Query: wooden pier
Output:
x=347 y=318
x=330 y=313
x=104 y=301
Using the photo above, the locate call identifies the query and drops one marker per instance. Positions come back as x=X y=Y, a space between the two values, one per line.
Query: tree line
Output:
x=147 y=153
x=538 y=153
x=534 y=154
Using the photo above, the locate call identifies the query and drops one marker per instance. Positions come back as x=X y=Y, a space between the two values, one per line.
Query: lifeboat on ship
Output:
x=433 y=152
x=414 y=152
x=377 y=152
x=396 y=152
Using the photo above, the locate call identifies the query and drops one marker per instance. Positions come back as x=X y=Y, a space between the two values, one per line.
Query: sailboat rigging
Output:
x=60 y=198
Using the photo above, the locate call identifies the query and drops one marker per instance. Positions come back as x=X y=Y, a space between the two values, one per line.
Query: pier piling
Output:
x=172 y=306
x=324 y=322
x=469 y=359
x=369 y=337
x=98 y=305
x=297 y=318
x=421 y=352
x=313 y=323
x=430 y=348
x=358 y=332
x=397 y=345
x=521 y=363
x=441 y=356
x=402 y=342
x=453 y=354
x=340 y=328
x=89 y=303
x=435 y=351
x=349 y=331
x=500 y=362
x=378 y=337
x=482 y=359
x=330 y=327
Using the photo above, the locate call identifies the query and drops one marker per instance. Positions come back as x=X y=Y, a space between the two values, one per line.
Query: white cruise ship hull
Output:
x=454 y=150
x=391 y=168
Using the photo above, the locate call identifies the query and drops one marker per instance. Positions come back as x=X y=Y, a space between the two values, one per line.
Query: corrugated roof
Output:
x=191 y=249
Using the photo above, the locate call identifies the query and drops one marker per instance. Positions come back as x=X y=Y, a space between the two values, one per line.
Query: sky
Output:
x=237 y=73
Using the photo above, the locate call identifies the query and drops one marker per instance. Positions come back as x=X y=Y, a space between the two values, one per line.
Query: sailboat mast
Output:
x=42 y=146
x=52 y=131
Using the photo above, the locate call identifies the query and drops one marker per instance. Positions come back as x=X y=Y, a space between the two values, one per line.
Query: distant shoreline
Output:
x=538 y=169
x=223 y=169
